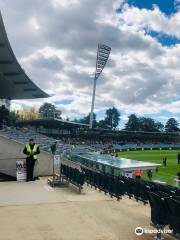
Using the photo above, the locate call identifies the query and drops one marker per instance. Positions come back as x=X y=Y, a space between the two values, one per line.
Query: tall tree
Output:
x=143 y=124
x=172 y=125
x=102 y=124
x=133 y=123
x=112 y=118
x=12 y=118
x=86 y=119
x=7 y=117
x=4 y=114
x=150 y=125
x=48 y=110
x=28 y=114
x=159 y=126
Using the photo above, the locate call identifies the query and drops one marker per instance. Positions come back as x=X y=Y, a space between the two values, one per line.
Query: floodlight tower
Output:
x=102 y=57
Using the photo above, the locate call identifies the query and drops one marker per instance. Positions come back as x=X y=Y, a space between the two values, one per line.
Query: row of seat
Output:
x=106 y=183
x=117 y=186
x=165 y=210
x=137 y=146
x=164 y=200
x=73 y=175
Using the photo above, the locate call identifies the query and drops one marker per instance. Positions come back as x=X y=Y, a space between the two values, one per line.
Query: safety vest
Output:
x=29 y=150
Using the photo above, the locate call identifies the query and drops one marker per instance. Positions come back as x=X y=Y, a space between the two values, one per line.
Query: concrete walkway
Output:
x=35 y=211
x=38 y=192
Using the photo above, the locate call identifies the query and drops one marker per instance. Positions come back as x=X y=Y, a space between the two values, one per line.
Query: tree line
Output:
x=110 y=121
x=134 y=123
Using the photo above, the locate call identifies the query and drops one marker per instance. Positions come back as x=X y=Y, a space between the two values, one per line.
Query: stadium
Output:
x=90 y=182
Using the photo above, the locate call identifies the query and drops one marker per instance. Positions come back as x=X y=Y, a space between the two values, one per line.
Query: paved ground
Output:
x=34 y=211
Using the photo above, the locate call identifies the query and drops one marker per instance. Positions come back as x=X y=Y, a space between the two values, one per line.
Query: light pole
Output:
x=101 y=60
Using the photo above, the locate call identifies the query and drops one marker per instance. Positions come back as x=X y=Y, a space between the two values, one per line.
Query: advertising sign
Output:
x=56 y=159
x=21 y=170
x=128 y=174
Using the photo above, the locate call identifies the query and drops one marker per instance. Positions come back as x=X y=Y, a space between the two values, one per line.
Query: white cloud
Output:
x=56 y=44
x=154 y=19
x=34 y=23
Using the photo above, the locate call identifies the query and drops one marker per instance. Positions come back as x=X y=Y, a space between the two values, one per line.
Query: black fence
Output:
x=164 y=200
x=73 y=175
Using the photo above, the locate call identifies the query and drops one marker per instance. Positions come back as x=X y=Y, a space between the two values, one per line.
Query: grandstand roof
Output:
x=57 y=123
x=14 y=83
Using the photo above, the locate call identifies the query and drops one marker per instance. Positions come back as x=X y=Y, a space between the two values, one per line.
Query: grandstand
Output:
x=71 y=132
x=14 y=83
x=87 y=162
x=22 y=134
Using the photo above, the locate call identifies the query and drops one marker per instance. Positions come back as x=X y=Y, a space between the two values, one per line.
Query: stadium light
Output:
x=102 y=58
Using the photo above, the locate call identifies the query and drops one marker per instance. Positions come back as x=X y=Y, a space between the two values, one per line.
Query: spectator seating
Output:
x=73 y=175
x=174 y=214
x=164 y=200
x=105 y=182
x=23 y=134
x=159 y=210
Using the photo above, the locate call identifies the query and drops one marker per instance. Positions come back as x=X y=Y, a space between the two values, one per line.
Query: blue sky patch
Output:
x=63 y=102
x=168 y=7
x=164 y=39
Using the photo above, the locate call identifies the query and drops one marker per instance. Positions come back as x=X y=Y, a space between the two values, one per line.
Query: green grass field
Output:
x=166 y=174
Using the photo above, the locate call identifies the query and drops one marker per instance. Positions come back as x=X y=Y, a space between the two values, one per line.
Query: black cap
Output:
x=31 y=139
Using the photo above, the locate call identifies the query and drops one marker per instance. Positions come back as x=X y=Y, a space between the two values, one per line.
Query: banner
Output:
x=56 y=159
x=128 y=174
x=21 y=170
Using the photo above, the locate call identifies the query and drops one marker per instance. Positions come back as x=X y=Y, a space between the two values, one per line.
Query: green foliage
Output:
x=112 y=118
x=133 y=123
x=12 y=118
x=49 y=111
x=172 y=125
x=7 y=117
x=150 y=125
x=102 y=124
x=143 y=124
x=86 y=119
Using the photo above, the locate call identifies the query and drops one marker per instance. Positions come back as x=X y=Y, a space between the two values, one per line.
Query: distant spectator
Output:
x=138 y=174
x=149 y=174
x=53 y=147
x=165 y=161
x=178 y=158
x=178 y=175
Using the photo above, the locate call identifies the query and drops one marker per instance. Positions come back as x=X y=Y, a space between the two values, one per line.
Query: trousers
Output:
x=30 y=163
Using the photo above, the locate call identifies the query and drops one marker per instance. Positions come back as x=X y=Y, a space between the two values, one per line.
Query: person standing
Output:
x=165 y=161
x=149 y=174
x=178 y=158
x=31 y=150
x=138 y=174
x=54 y=147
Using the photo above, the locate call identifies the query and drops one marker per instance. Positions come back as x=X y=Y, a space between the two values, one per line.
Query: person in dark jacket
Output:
x=178 y=175
x=149 y=174
x=53 y=148
x=178 y=158
x=165 y=161
x=31 y=150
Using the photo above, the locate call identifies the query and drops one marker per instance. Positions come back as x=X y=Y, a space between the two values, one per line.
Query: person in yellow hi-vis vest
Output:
x=31 y=150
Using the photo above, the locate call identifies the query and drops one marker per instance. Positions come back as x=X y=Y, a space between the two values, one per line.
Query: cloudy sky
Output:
x=56 y=41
